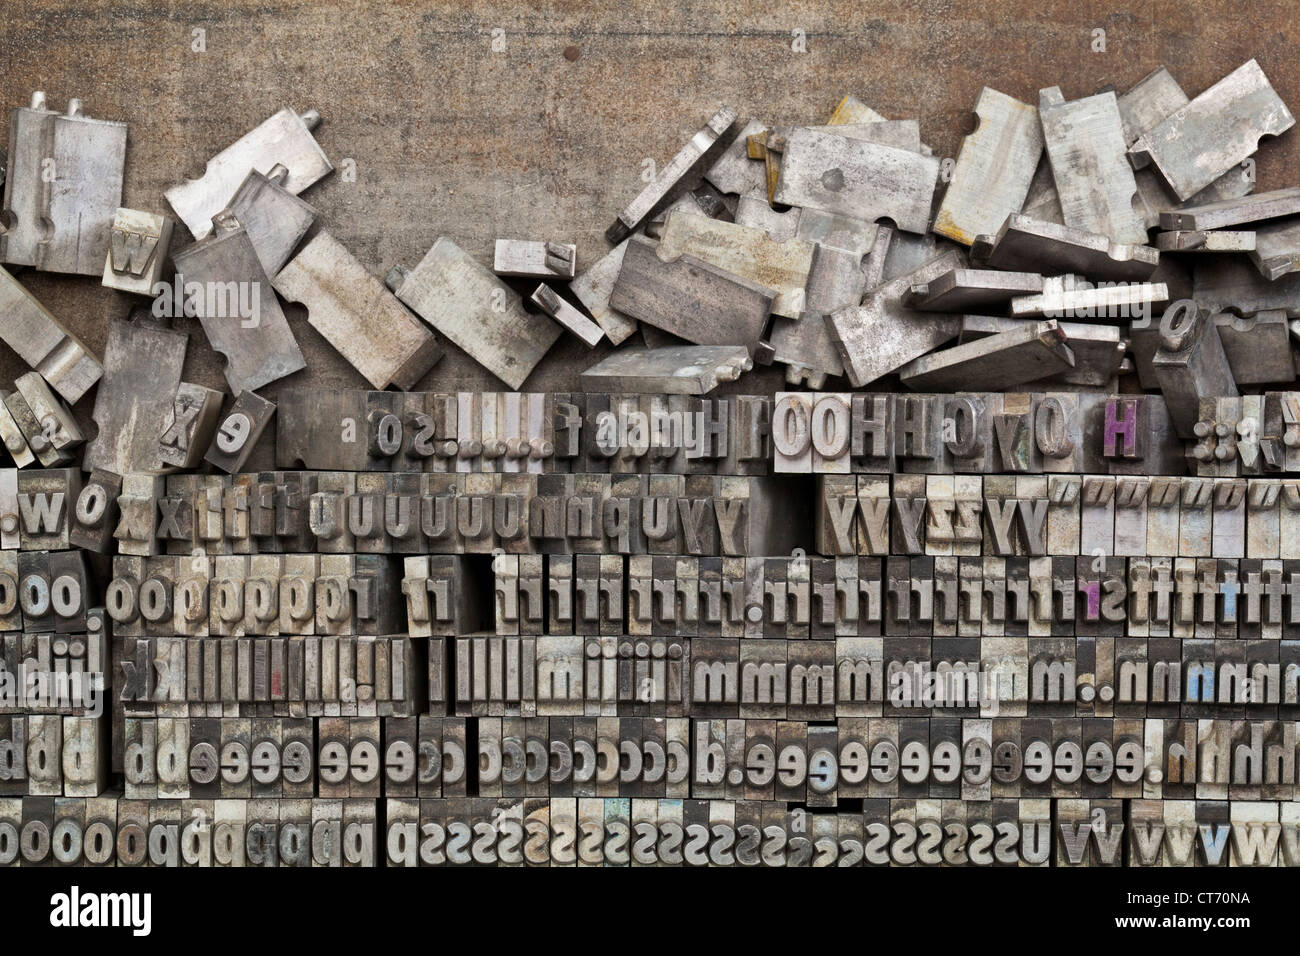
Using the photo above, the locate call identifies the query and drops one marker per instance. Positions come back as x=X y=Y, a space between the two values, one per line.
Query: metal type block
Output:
x=42 y=342
x=62 y=189
x=1214 y=132
x=357 y=315
x=688 y=159
x=456 y=295
x=227 y=288
x=692 y=299
x=137 y=251
x=284 y=139
x=1031 y=245
x=143 y=361
x=535 y=259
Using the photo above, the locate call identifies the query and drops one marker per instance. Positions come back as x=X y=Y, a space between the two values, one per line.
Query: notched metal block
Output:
x=856 y=178
x=137 y=251
x=63 y=188
x=1214 y=132
x=533 y=258
x=688 y=158
x=962 y=290
x=1031 y=245
x=593 y=289
x=451 y=291
x=994 y=168
x=690 y=298
x=680 y=370
x=1234 y=212
x=284 y=139
x=143 y=362
x=357 y=315
x=274 y=218
x=881 y=335
x=998 y=361
x=1276 y=249
x=550 y=302
x=43 y=343
x=749 y=253
x=225 y=285
x=1085 y=144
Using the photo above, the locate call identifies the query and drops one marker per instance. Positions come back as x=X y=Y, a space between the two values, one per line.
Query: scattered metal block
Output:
x=1155 y=97
x=963 y=290
x=137 y=251
x=998 y=361
x=684 y=370
x=854 y=178
x=549 y=301
x=451 y=291
x=1276 y=249
x=1098 y=349
x=1206 y=241
x=357 y=315
x=535 y=259
x=881 y=335
x=43 y=343
x=994 y=168
x=673 y=172
x=61 y=224
x=1085 y=144
x=224 y=284
x=741 y=251
x=1214 y=132
x=1031 y=245
x=284 y=139
x=1234 y=212
x=593 y=289
x=55 y=420
x=274 y=218
x=1258 y=347
x=1232 y=282
x=691 y=299
x=143 y=361
x=1068 y=297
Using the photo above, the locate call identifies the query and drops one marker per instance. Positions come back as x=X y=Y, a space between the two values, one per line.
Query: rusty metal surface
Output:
x=451 y=138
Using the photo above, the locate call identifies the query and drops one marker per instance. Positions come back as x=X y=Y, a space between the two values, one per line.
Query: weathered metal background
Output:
x=547 y=138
